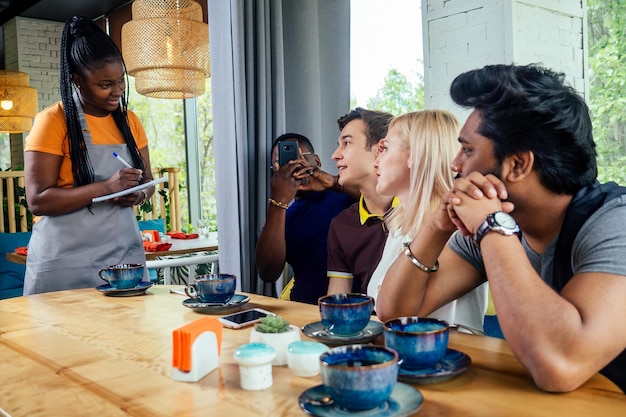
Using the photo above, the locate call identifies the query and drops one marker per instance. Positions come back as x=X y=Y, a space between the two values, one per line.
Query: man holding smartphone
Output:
x=304 y=200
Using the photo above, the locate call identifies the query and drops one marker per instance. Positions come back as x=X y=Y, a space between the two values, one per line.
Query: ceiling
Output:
x=54 y=10
x=57 y=10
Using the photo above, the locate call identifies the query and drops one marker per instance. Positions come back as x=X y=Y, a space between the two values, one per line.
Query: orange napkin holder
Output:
x=196 y=350
x=151 y=236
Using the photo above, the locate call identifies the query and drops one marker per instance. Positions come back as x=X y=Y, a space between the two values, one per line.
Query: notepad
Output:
x=129 y=190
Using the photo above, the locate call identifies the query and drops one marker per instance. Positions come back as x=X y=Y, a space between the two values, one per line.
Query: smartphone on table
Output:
x=287 y=151
x=244 y=318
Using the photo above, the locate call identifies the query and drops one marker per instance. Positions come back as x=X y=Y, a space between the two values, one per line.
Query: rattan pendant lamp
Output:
x=166 y=48
x=18 y=102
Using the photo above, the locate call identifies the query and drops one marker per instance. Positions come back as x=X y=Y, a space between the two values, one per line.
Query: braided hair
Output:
x=85 y=46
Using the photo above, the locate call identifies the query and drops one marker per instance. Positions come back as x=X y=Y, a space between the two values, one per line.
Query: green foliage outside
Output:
x=607 y=80
x=398 y=95
x=163 y=121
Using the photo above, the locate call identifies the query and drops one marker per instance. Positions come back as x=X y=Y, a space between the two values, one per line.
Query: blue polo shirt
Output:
x=306 y=231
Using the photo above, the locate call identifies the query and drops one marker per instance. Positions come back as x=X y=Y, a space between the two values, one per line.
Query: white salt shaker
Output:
x=303 y=357
x=255 y=365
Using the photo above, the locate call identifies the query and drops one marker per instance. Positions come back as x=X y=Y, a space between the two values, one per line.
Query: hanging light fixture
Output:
x=18 y=102
x=166 y=48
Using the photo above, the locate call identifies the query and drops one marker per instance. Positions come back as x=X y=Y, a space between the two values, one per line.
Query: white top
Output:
x=468 y=310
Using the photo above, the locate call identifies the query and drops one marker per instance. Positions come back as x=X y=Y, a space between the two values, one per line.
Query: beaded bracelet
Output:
x=143 y=200
x=413 y=259
x=278 y=204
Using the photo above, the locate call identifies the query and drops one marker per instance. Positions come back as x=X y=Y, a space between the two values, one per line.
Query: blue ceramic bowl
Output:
x=420 y=342
x=359 y=377
x=122 y=276
x=346 y=314
x=212 y=288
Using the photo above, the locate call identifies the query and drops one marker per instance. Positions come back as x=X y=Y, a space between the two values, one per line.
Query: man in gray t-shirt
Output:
x=527 y=214
x=599 y=247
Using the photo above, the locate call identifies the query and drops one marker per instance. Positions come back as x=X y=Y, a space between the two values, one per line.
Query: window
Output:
x=391 y=78
x=174 y=141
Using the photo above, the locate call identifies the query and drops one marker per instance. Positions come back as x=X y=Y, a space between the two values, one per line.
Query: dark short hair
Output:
x=377 y=123
x=530 y=108
x=303 y=142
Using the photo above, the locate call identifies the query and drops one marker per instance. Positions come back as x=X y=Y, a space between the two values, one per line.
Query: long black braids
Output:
x=85 y=45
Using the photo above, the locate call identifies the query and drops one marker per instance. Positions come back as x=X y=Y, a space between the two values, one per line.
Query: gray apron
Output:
x=66 y=251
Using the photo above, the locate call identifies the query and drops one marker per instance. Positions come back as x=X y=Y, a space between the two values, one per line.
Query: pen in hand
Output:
x=122 y=160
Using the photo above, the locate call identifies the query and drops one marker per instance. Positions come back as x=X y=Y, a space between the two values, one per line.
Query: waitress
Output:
x=69 y=161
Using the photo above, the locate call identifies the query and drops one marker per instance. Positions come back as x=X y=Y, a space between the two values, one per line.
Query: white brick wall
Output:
x=32 y=46
x=460 y=35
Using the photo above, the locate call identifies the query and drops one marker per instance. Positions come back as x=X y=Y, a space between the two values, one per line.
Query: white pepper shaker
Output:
x=255 y=365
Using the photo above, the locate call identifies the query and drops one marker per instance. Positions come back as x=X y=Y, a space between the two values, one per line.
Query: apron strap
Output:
x=82 y=119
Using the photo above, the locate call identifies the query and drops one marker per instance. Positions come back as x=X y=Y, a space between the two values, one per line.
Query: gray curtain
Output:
x=276 y=66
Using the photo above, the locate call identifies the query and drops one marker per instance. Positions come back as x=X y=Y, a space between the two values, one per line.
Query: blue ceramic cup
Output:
x=212 y=288
x=359 y=377
x=346 y=314
x=420 y=342
x=122 y=276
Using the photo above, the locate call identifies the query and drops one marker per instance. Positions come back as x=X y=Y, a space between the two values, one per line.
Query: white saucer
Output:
x=320 y=332
x=404 y=401
x=111 y=291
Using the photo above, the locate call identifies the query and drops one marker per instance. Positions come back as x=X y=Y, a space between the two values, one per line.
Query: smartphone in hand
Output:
x=287 y=151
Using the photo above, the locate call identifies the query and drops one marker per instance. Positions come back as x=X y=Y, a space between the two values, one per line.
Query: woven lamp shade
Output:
x=166 y=48
x=18 y=102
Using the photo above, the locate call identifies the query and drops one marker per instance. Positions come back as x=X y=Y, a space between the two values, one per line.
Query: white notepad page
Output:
x=129 y=190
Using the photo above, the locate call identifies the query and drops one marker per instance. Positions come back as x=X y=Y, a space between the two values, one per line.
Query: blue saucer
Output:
x=111 y=291
x=404 y=401
x=317 y=330
x=452 y=364
x=211 y=308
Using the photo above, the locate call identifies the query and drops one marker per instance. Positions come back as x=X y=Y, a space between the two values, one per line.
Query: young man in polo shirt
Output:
x=356 y=237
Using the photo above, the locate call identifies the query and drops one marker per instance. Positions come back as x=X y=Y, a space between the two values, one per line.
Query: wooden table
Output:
x=80 y=353
x=179 y=247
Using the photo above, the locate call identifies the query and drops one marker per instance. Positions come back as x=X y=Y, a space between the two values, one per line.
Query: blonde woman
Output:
x=414 y=165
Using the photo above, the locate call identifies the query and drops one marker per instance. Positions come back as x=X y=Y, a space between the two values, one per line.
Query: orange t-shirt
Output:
x=49 y=135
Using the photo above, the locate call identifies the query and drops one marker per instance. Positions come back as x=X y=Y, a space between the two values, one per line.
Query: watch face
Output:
x=505 y=220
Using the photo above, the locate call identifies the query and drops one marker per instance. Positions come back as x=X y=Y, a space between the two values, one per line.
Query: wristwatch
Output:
x=497 y=222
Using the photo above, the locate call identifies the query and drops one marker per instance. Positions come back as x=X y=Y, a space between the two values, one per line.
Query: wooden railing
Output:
x=162 y=197
x=14 y=215
x=12 y=192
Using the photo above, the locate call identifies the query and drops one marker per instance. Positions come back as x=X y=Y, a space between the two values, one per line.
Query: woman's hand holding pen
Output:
x=124 y=179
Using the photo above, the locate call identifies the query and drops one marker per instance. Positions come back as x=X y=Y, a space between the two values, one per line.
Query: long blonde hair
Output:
x=431 y=136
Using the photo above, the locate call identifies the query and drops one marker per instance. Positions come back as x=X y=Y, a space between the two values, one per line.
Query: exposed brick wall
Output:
x=460 y=35
x=32 y=46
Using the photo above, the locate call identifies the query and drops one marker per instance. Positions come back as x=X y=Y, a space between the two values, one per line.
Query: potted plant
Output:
x=278 y=333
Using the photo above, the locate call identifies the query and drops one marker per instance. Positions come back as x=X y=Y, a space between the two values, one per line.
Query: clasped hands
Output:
x=469 y=202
